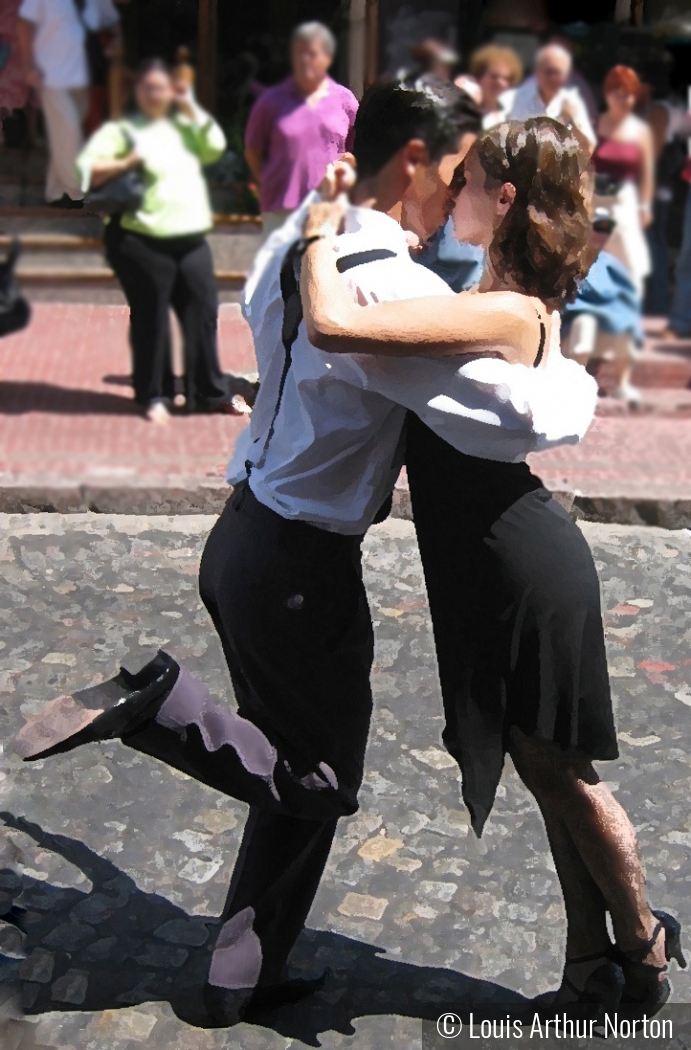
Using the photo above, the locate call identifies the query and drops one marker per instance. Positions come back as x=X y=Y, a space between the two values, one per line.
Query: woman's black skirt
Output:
x=515 y=603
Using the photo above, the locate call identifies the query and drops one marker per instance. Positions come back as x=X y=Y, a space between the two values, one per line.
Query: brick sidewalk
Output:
x=66 y=406
x=71 y=437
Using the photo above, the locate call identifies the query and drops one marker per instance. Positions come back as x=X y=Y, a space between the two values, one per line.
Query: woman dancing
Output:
x=512 y=585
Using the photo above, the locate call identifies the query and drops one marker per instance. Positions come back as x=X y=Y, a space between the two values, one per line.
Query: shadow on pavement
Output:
x=18 y=398
x=117 y=946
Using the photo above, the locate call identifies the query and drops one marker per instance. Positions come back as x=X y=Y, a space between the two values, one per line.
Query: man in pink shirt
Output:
x=299 y=126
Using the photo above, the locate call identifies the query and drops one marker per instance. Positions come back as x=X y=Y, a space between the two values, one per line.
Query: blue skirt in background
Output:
x=608 y=293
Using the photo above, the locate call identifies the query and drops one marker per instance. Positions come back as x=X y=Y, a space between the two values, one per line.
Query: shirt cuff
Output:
x=84 y=169
x=200 y=118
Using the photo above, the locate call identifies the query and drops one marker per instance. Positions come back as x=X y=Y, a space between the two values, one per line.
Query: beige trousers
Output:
x=585 y=340
x=273 y=220
x=627 y=242
x=64 y=110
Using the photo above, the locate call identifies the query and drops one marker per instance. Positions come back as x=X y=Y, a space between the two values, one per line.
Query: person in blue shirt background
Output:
x=459 y=264
x=604 y=320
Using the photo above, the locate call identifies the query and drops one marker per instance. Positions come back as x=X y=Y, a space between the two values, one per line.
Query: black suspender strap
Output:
x=292 y=316
x=543 y=337
x=347 y=262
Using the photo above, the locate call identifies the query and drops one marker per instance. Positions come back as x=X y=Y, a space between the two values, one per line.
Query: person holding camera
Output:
x=624 y=163
x=159 y=250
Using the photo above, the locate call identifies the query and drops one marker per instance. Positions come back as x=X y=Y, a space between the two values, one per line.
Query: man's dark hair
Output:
x=463 y=110
x=392 y=114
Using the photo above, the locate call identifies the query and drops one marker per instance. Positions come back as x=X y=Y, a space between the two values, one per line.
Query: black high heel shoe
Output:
x=603 y=988
x=645 y=991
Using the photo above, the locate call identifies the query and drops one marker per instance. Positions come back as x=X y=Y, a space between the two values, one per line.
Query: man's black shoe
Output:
x=104 y=712
x=214 y=1007
x=273 y=996
x=66 y=202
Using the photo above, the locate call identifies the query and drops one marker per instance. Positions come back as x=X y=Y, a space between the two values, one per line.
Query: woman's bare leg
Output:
x=622 y=350
x=586 y=908
x=569 y=789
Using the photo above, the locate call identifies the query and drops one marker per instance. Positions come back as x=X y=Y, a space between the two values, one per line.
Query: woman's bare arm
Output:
x=255 y=161
x=499 y=323
x=647 y=187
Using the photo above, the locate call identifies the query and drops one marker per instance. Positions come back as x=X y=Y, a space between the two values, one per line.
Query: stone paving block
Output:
x=12 y=941
x=362 y=906
x=96 y=908
x=101 y=949
x=163 y=955
x=37 y=967
x=70 y=988
x=70 y=935
x=179 y=931
x=115 y=1025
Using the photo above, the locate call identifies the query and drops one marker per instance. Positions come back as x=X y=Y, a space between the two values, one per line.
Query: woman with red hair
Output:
x=624 y=163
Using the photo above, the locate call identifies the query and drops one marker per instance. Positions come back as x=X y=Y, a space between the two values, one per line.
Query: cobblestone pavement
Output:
x=124 y=863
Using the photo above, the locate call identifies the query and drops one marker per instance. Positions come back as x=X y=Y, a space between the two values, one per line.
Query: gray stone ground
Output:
x=124 y=864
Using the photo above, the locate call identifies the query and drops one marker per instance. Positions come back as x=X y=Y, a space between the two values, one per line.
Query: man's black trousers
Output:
x=288 y=602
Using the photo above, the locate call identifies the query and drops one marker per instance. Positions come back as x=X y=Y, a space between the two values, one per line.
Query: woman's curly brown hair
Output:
x=542 y=243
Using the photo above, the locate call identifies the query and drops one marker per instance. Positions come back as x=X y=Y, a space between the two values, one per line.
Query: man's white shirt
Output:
x=337 y=445
x=526 y=101
x=59 y=49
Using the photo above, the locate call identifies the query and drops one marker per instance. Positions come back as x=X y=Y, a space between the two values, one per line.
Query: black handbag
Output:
x=15 y=312
x=119 y=194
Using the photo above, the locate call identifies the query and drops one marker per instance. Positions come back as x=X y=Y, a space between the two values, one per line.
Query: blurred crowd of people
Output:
x=637 y=145
x=59 y=50
x=636 y=138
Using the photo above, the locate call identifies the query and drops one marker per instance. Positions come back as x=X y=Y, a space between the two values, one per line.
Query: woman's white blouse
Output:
x=489 y=408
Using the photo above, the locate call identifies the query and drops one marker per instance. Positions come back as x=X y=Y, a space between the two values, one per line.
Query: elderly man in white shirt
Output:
x=546 y=93
x=52 y=37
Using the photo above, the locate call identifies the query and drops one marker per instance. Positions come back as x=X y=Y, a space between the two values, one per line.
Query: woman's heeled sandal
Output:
x=603 y=987
x=645 y=988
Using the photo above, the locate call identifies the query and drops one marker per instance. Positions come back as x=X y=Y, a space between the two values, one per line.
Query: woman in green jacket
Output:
x=160 y=253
